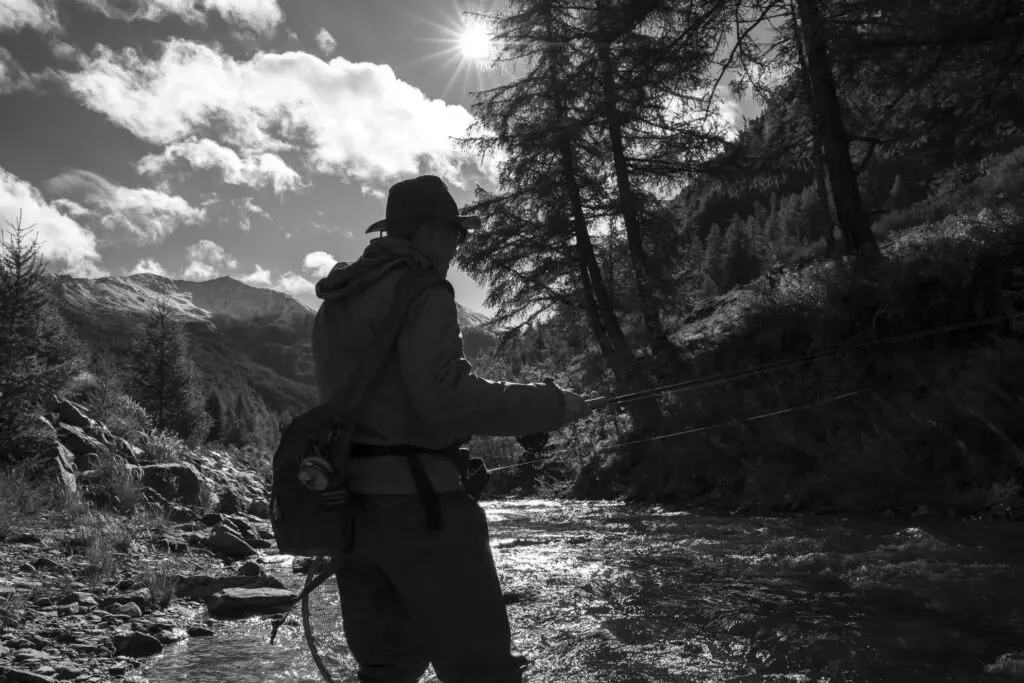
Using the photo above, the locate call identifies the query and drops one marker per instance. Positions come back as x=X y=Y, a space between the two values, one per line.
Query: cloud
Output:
x=255 y=170
x=147 y=215
x=259 y=276
x=293 y=284
x=62 y=241
x=262 y=16
x=358 y=121
x=205 y=258
x=12 y=76
x=319 y=263
x=148 y=265
x=18 y=14
x=326 y=42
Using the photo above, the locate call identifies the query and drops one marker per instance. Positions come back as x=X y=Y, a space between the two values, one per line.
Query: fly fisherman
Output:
x=419 y=585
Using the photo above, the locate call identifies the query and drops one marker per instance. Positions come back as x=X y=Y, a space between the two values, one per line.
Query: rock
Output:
x=259 y=508
x=87 y=462
x=199 y=631
x=80 y=598
x=238 y=602
x=225 y=541
x=76 y=440
x=119 y=669
x=62 y=463
x=128 y=609
x=45 y=563
x=74 y=415
x=300 y=565
x=201 y=587
x=68 y=610
x=12 y=675
x=260 y=543
x=174 y=481
x=136 y=644
x=178 y=513
x=212 y=518
x=228 y=502
x=128 y=451
x=140 y=597
x=250 y=569
x=23 y=538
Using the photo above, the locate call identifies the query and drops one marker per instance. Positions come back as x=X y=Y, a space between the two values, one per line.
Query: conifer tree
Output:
x=39 y=355
x=215 y=409
x=163 y=378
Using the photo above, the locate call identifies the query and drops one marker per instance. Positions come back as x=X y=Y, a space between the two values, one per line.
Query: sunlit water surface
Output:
x=611 y=593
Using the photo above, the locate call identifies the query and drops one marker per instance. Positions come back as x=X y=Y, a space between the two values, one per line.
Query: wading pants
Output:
x=413 y=596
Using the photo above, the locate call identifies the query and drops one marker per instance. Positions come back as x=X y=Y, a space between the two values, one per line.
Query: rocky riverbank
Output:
x=138 y=554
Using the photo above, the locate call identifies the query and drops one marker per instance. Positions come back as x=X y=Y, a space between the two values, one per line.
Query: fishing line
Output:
x=725 y=377
x=687 y=432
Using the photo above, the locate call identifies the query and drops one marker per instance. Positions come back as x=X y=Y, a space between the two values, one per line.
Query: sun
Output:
x=475 y=42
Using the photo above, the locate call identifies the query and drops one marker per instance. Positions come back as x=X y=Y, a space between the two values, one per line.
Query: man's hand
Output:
x=578 y=407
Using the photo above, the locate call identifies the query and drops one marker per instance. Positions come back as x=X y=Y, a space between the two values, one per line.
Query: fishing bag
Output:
x=314 y=523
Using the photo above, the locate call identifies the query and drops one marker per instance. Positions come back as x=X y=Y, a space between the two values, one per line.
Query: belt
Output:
x=421 y=479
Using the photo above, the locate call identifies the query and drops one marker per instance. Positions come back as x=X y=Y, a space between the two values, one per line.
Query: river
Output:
x=611 y=593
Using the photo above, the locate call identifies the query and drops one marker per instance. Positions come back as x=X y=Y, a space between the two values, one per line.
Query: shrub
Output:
x=162 y=445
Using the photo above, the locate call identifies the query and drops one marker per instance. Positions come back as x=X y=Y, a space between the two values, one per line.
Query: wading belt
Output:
x=428 y=494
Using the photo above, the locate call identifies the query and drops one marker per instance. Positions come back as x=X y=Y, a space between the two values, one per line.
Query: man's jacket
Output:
x=426 y=393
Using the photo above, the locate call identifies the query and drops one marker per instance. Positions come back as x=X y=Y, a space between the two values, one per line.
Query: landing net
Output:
x=321 y=623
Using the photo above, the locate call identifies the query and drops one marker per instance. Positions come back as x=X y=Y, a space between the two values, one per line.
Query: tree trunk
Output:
x=665 y=353
x=850 y=212
x=817 y=156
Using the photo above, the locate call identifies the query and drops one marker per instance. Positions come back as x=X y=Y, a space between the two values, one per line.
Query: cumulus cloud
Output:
x=258 y=277
x=262 y=16
x=296 y=285
x=62 y=241
x=148 y=265
x=205 y=260
x=147 y=215
x=319 y=263
x=18 y=14
x=256 y=170
x=326 y=42
x=358 y=121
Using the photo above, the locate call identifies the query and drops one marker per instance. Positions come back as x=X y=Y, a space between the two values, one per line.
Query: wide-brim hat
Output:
x=416 y=199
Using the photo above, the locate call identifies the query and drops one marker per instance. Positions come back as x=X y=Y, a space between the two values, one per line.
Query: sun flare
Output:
x=475 y=42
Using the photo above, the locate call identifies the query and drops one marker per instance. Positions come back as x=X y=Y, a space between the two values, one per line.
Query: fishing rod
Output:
x=725 y=377
x=536 y=444
x=687 y=432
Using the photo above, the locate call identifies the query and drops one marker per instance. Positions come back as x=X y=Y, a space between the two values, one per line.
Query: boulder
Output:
x=136 y=644
x=74 y=414
x=202 y=587
x=240 y=602
x=140 y=597
x=223 y=540
x=77 y=441
x=127 y=450
x=228 y=502
x=174 y=481
x=21 y=676
x=62 y=464
x=259 y=508
x=87 y=461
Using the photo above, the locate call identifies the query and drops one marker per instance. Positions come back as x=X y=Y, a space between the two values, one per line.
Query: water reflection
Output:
x=606 y=592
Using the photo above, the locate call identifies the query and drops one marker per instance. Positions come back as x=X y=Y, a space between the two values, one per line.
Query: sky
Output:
x=250 y=138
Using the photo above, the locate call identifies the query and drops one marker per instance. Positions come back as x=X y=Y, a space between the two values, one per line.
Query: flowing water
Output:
x=607 y=592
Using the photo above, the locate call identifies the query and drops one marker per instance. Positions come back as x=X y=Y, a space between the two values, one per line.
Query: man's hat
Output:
x=411 y=201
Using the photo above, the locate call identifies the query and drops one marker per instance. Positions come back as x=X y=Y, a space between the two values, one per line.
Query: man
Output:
x=419 y=585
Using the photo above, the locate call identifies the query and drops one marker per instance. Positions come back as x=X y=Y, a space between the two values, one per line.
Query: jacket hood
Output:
x=380 y=257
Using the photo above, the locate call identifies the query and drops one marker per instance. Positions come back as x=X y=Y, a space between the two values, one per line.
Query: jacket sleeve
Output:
x=447 y=394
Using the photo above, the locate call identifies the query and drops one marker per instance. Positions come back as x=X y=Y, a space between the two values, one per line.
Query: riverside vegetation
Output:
x=878 y=194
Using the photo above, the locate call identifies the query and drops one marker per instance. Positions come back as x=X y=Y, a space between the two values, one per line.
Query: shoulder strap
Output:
x=408 y=289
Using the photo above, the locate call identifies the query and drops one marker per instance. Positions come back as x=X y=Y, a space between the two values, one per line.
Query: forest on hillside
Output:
x=633 y=242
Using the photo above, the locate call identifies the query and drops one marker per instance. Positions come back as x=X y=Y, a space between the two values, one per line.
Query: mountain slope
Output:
x=243 y=338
